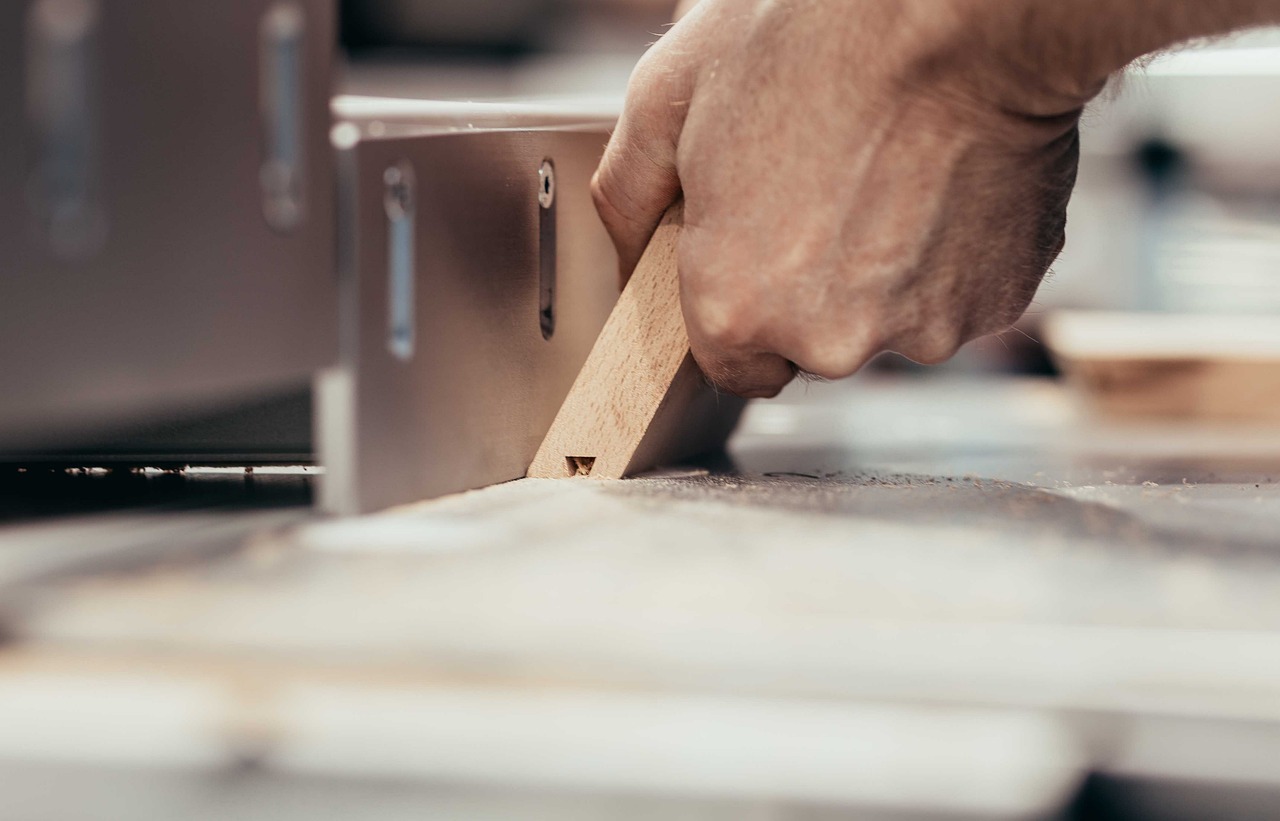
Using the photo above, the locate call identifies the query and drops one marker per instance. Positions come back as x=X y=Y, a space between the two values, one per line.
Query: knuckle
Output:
x=934 y=346
x=835 y=360
x=725 y=321
x=832 y=351
x=644 y=74
x=608 y=204
x=658 y=93
x=619 y=196
x=602 y=191
x=760 y=376
x=649 y=89
x=650 y=70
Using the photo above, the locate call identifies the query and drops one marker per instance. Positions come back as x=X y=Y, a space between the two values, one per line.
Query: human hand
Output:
x=858 y=177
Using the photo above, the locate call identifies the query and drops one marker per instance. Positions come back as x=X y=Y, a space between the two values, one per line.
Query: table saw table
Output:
x=899 y=598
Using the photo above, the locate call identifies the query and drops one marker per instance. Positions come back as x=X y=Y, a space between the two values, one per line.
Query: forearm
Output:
x=1073 y=46
x=1119 y=31
x=1041 y=57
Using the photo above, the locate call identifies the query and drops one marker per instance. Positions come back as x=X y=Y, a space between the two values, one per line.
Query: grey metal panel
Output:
x=11 y=164
x=471 y=402
x=270 y=429
x=198 y=290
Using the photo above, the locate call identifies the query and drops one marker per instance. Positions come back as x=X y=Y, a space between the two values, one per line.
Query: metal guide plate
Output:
x=166 y=209
x=462 y=397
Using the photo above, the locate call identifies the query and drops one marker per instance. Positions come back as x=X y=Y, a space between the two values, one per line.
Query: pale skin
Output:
x=868 y=175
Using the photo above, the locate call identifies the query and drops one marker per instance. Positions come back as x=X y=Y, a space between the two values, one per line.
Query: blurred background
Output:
x=542 y=48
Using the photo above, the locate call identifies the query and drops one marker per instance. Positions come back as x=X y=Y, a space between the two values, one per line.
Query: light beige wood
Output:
x=640 y=399
x=1196 y=367
x=1192 y=389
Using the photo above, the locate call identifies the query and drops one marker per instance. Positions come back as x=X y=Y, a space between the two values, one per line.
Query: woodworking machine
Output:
x=208 y=260
x=166 y=210
x=475 y=278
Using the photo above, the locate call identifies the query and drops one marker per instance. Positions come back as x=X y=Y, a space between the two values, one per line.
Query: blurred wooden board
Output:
x=640 y=400
x=1172 y=366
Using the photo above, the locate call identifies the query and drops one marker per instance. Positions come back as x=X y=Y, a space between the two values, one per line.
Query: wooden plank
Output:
x=1191 y=367
x=640 y=399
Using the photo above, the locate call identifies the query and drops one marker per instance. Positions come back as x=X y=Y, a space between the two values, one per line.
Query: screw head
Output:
x=546 y=184
x=398 y=195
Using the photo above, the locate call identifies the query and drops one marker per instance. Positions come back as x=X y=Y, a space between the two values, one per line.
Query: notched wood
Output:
x=640 y=399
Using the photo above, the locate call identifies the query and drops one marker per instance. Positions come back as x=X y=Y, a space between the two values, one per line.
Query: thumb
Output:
x=637 y=179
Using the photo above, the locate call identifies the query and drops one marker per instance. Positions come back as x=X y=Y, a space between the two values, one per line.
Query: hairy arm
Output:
x=1074 y=45
x=868 y=175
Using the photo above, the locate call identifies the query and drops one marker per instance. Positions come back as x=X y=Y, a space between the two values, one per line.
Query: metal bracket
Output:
x=400 y=204
x=62 y=115
x=547 y=248
x=283 y=35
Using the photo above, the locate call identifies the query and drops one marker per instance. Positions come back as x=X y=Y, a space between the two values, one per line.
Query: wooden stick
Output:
x=640 y=399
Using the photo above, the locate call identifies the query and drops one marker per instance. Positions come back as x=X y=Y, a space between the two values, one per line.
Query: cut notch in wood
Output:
x=640 y=399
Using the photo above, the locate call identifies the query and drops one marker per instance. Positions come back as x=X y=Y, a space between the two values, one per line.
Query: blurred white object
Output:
x=1116 y=335
x=1209 y=257
x=1205 y=238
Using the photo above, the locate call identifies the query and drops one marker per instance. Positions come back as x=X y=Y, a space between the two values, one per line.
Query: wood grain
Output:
x=640 y=399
